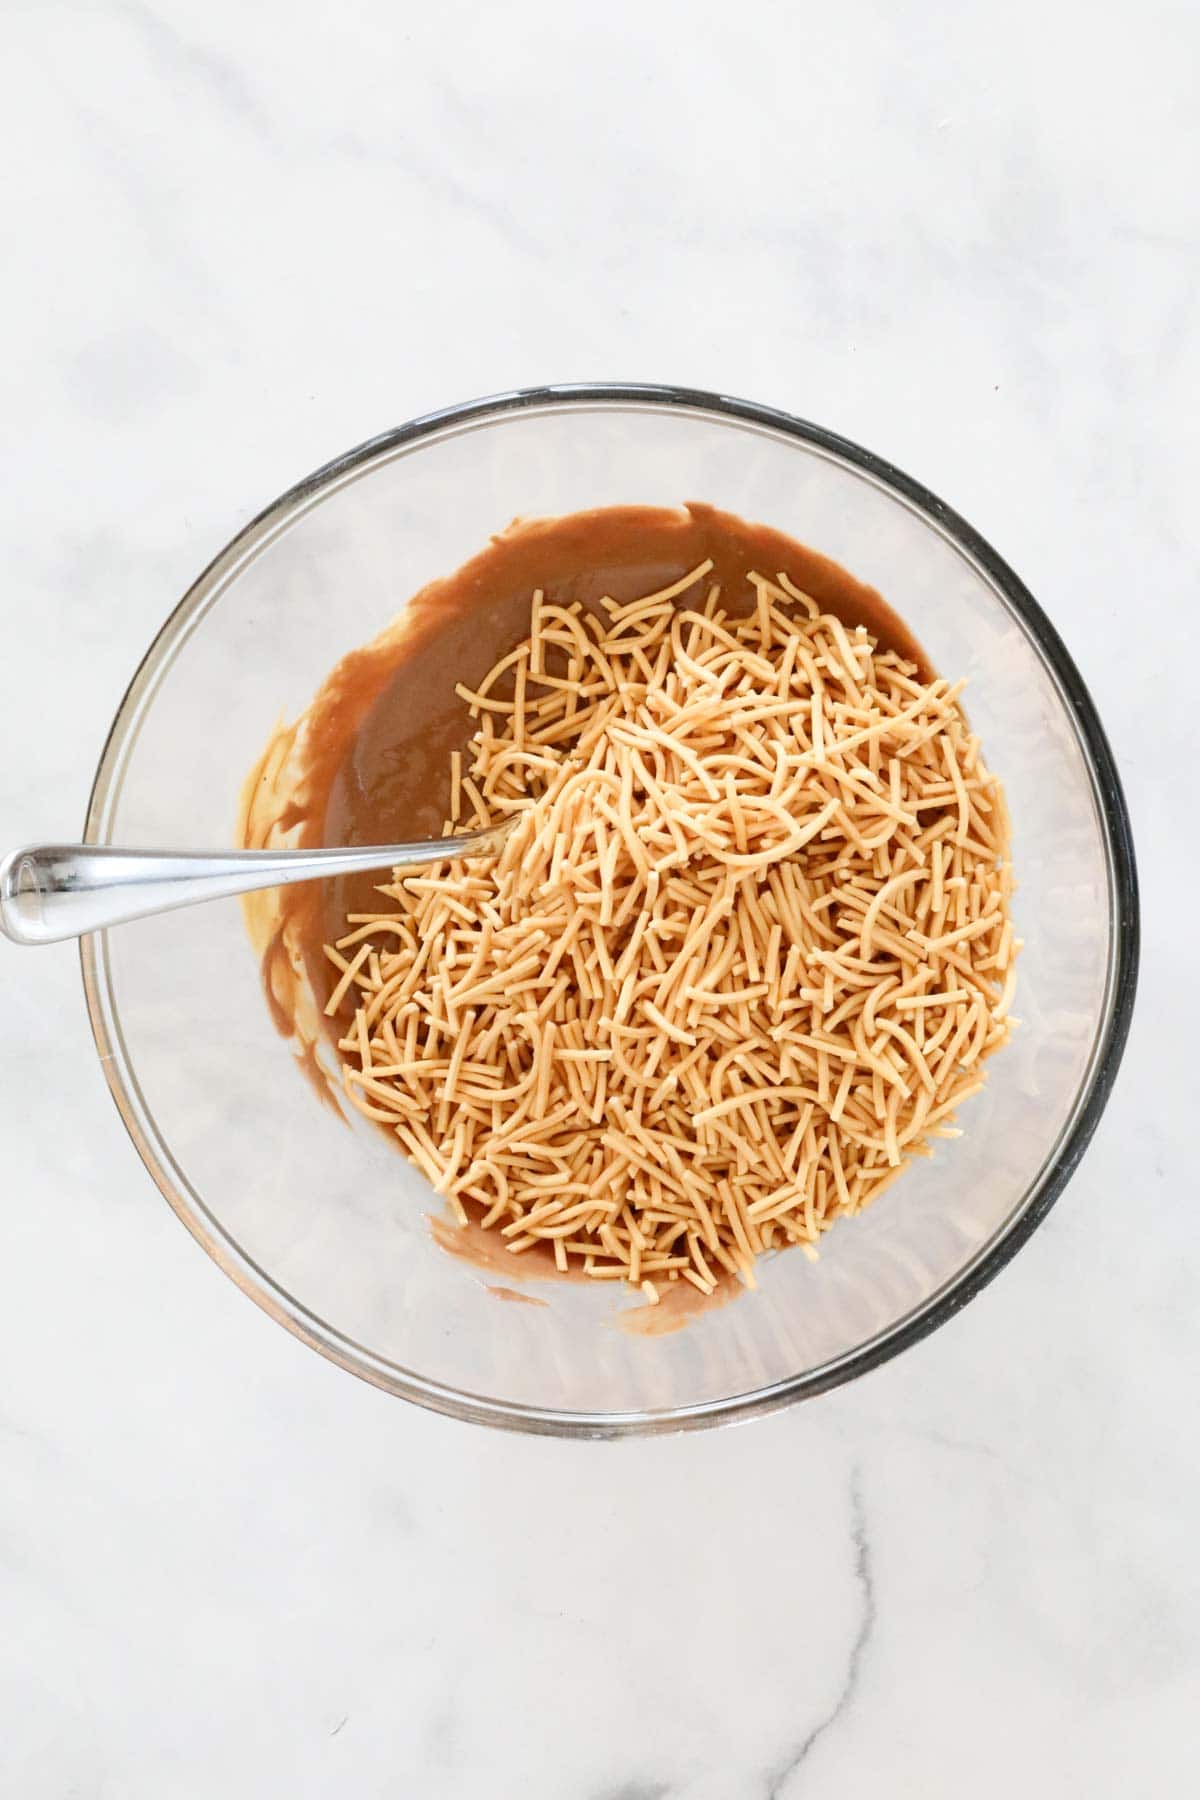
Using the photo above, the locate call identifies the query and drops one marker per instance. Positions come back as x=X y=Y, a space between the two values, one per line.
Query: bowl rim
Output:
x=1112 y=811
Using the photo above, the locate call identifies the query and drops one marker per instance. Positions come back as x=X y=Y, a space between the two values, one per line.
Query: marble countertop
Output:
x=239 y=243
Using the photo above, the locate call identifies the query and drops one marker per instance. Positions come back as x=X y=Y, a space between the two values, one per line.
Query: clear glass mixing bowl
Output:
x=322 y=1222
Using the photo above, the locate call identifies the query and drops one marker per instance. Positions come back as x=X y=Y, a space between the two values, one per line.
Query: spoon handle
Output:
x=49 y=892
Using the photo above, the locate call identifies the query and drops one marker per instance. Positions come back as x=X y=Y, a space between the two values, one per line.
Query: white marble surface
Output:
x=241 y=238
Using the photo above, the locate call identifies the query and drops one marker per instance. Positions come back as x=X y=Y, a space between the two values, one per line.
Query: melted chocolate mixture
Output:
x=382 y=732
x=378 y=737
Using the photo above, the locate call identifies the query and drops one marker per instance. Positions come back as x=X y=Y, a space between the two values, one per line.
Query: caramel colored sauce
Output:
x=369 y=763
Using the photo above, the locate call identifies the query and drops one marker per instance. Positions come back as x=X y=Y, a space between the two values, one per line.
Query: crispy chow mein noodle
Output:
x=742 y=956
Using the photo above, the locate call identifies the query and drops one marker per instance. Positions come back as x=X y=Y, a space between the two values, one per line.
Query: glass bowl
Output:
x=320 y=1220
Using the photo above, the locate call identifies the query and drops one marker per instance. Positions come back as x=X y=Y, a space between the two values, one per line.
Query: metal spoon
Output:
x=49 y=892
